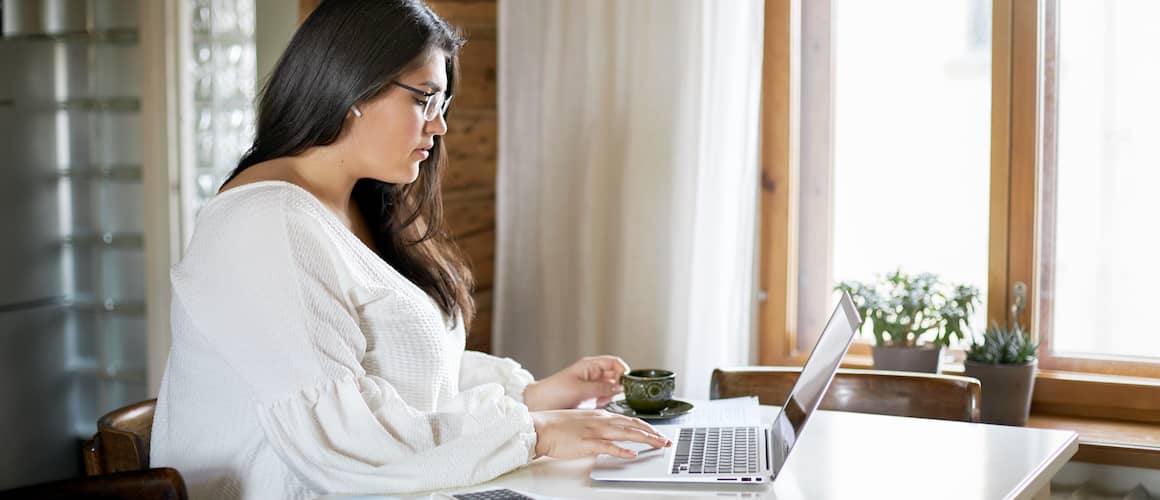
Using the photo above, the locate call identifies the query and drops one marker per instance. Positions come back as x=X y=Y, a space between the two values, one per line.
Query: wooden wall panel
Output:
x=480 y=338
x=469 y=211
x=469 y=183
x=476 y=88
x=475 y=18
x=305 y=7
x=471 y=148
x=480 y=251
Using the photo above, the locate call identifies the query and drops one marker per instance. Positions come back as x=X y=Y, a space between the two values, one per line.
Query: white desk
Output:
x=854 y=455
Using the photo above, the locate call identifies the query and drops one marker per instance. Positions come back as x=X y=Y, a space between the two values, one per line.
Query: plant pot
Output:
x=1006 y=391
x=925 y=359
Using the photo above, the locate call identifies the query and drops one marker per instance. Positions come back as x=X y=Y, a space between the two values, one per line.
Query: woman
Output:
x=319 y=312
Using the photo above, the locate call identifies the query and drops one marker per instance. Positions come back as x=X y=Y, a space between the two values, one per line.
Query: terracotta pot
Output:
x=1006 y=391
x=925 y=359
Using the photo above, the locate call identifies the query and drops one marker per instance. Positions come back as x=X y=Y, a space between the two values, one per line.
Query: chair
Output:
x=149 y=484
x=903 y=394
x=121 y=443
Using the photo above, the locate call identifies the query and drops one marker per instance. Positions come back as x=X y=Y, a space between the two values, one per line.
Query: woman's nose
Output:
x=438 y=126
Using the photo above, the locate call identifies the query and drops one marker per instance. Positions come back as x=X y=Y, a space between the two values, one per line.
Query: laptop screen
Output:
x=815 y=378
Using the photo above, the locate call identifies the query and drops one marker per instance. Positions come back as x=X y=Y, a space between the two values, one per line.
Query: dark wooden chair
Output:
x=149 y=484
x=903 y=394
x=121 y=443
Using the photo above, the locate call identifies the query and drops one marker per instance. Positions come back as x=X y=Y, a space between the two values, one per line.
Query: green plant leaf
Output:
x=906 y=309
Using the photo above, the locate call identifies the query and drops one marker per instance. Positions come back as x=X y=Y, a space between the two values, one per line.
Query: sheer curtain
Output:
x=627 y=183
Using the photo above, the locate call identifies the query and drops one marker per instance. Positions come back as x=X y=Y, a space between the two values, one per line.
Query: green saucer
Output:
x=675 y=408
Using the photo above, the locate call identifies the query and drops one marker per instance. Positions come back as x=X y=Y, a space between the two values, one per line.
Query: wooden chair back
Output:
x=149 y=484
x=122 y=440
x=902 y=394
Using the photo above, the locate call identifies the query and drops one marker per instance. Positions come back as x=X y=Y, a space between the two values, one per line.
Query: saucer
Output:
x=675 y=408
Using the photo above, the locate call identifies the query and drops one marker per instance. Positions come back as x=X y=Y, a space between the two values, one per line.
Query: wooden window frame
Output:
x=305 y=7
x=1046 y=230
x=1022 y=85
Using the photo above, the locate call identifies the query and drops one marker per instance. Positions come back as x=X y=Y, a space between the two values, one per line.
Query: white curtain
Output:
x=627 y=184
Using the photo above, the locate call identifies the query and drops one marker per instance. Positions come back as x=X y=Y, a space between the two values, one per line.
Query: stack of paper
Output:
x=723 y=412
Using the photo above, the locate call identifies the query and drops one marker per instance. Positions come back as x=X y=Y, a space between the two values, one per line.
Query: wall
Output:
x=274 y=24
x=469 y=185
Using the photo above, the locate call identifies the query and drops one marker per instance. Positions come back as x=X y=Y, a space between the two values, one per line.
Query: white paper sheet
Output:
x=741 y=411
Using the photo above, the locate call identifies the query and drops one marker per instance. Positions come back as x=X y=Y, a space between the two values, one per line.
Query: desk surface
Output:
x=854 y=455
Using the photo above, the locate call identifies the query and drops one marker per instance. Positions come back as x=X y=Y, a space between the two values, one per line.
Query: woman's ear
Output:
x=357 y=113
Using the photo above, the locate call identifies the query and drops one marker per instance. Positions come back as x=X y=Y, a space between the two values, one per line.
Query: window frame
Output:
x=1044 y=205
x=1024 y=39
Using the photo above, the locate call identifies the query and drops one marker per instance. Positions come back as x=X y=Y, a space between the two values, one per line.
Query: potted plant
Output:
x=1004 y=362
x=913 y=317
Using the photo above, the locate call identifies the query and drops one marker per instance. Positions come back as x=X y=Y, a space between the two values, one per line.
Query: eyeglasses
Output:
x=434 y=104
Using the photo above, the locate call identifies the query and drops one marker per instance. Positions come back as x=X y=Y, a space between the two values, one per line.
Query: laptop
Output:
x=743 y=454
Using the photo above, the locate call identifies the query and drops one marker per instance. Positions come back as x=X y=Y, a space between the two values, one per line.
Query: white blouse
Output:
x=304 y=364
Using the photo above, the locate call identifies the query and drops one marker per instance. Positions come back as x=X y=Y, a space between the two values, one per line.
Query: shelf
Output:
x=121 y=36
x=108 y=305
x=121 y=104
x=35 y=304
x=126 y=173
x=90 y=368
x=1109 y=442
x=99 y=104
x=106 y=239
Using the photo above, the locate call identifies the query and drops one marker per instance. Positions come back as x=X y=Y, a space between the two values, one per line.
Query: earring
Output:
x=357 y=113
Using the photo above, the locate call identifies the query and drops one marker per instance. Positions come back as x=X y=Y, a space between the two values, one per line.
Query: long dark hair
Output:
x=347 y=52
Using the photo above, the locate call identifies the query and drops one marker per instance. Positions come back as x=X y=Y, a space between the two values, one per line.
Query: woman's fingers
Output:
x=635 y=423
x=604 y=368
x=614 y=367
x=608 y=448
x=636 y=435
x=620 y=428
x=602 y=389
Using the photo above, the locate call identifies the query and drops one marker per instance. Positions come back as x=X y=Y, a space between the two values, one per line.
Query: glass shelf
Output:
x=107 y=305
x=122 y=36
x=125 y=173
x=122 y=104
x=90 y=368
x=97 y=104
x=34 y=304
x=107 y=239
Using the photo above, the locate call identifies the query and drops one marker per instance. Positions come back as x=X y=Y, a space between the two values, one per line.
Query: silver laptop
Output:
x=721 y=454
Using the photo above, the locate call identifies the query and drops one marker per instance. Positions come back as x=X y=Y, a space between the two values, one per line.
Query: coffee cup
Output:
x=649 y=390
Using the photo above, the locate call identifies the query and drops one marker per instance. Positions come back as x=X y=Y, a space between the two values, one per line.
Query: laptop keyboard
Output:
x=716 y=450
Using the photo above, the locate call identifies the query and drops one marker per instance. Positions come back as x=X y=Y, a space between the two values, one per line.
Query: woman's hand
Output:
x=582 y=433
x=596 y=377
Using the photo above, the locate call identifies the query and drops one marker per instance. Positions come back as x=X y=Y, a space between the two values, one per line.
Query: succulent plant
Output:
x=1003 y=346
x=903 y=308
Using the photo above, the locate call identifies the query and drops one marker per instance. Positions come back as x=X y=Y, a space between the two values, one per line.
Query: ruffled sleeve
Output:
x=264 y=286
x=480 y=368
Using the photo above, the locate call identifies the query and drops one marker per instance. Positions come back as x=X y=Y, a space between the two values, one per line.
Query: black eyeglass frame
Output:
x=429 y=96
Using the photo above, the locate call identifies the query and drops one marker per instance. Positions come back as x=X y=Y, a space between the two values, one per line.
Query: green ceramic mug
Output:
x=648 y=391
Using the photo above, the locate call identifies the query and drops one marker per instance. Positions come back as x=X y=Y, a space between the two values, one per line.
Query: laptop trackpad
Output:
x=640 y=448
x=649 y=461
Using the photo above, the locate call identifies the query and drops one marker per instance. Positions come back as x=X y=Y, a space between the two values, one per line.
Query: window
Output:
x=895 y=147
x=1034 y=127
x=1100 y=167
